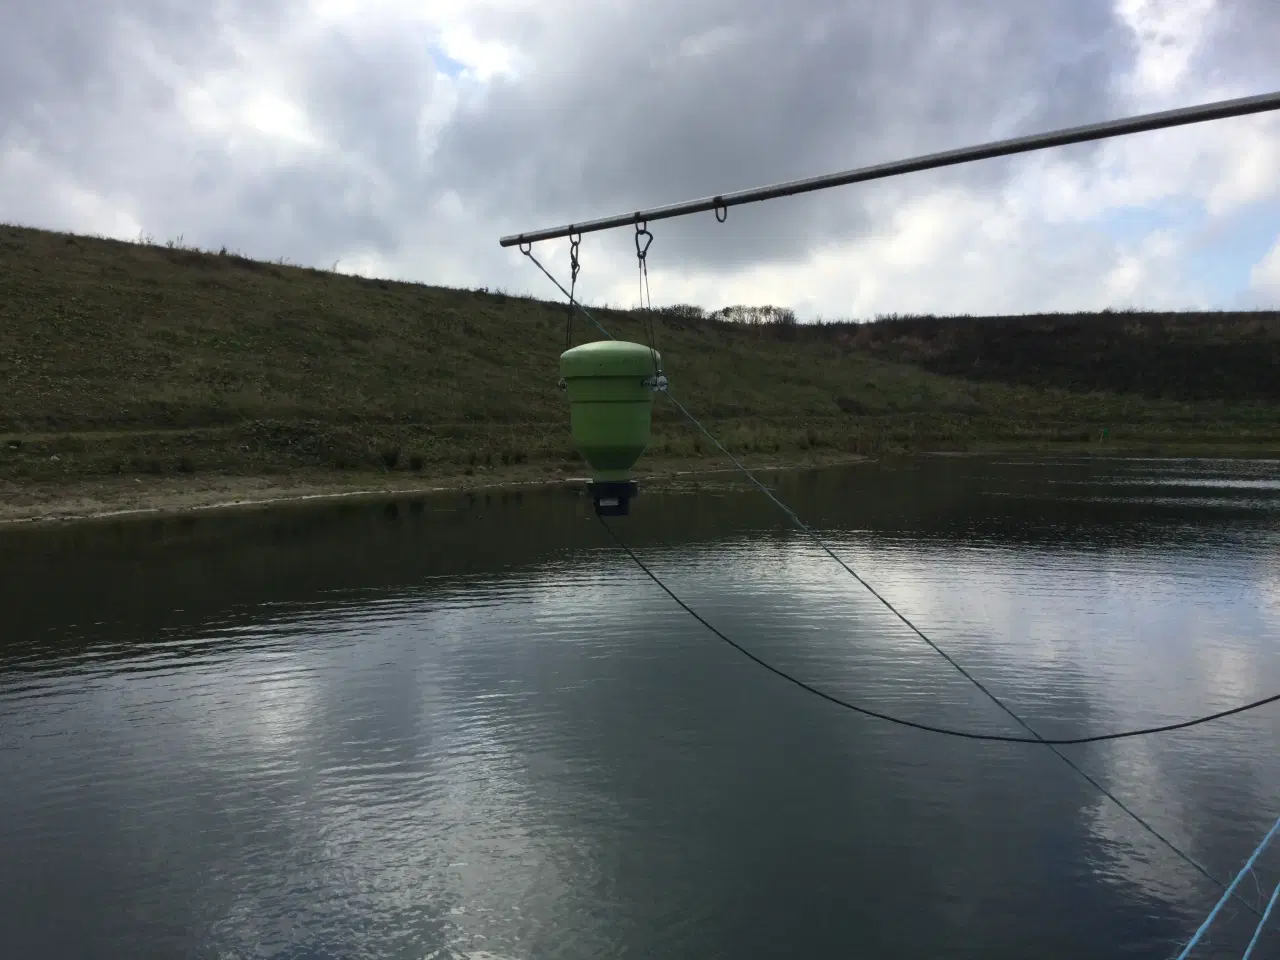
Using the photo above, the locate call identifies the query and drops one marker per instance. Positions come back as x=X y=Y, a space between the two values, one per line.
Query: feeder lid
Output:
x=609 y=358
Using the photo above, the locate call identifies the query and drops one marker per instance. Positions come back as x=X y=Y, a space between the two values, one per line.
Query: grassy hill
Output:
x=1186 y=356
x=120 y=358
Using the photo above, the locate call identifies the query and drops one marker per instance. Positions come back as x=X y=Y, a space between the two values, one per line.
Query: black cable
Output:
x=929 y=728
x=1035 y=738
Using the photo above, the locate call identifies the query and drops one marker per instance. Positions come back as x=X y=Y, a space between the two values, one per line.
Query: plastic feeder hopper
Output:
x=611 y=385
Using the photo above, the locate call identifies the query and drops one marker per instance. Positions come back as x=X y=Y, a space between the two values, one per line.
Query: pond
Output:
x=466 y=725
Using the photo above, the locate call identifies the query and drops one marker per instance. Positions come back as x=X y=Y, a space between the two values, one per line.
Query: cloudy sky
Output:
x=402 y=138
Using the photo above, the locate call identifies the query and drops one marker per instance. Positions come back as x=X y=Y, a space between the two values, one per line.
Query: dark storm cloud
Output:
x=95 y=94
x=1242 y=47
x=363 y=96
x=624 y=111
x=365 y=93
x=91 y=90
x=70 y=70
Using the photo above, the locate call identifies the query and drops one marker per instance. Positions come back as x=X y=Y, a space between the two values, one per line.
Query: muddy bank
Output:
x=86 y=499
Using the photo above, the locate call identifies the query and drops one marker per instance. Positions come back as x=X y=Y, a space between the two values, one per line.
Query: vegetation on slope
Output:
x=1187 y=356
x=120 y=358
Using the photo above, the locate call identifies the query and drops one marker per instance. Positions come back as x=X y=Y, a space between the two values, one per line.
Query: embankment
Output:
x=159 y=368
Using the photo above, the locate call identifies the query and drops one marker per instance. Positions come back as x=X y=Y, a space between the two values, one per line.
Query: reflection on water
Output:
x=464 y=726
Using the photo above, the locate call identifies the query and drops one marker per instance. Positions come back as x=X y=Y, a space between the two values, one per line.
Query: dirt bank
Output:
x=84 y=499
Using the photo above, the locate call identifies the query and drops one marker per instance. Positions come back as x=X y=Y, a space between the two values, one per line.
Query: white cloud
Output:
x=245 y=116
x=711 y=41
x=37 y=197
x=953 y=250
x=1250 y=166
x=1265 y=276
x=1168 y=34
x=483 y=60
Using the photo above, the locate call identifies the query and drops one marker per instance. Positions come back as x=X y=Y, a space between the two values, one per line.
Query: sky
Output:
x=402 y=138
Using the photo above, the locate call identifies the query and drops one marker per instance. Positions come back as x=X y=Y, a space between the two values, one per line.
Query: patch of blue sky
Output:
x=1221 y=256
x=1217 y=254
x=445 y=63
x=1130 y=225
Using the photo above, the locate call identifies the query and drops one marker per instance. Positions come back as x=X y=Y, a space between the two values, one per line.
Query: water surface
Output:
x=466 y=726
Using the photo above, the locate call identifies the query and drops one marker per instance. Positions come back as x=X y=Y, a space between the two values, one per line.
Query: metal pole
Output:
x=998 y=148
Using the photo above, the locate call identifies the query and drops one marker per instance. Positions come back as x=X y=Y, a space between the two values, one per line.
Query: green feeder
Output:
x=611 y=385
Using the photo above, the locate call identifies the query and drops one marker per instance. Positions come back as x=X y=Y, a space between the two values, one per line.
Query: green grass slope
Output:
x=1187 y=356
x=119 y=358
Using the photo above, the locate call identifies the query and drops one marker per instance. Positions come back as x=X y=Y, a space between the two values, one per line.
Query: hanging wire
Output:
x=643 y=239
x=574 y=241
x=527 y=250
x=1035 y=737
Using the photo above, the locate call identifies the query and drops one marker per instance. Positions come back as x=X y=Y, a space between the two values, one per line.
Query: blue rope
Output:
x=1185 y=857
x=1226 y=894
x=1262 y=923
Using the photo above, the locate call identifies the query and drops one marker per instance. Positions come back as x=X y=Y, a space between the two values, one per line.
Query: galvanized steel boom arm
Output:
x=998 y=148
